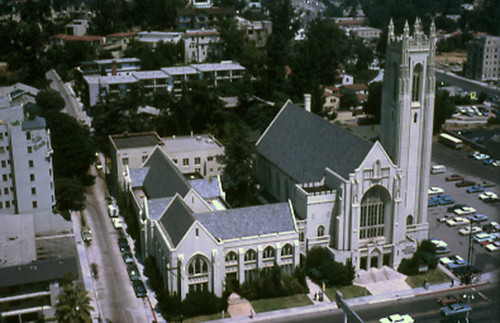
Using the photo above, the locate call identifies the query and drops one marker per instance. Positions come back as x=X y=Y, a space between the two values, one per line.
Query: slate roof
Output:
x=249 y=221
x=137 y=176
x=38 y=272
x=302 y=145
x=134 y=140
x=163 y=178
x=156 y=207
x=208 y=189
x=176 y=220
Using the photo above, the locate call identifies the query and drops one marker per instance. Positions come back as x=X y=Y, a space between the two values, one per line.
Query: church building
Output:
x=365 y=201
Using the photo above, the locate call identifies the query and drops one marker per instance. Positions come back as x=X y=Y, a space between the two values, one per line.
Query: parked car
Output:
x=491 y=227
x=86 y=235
x=489 y=162
x=454 y=310
x=397 y=318
x=435 y=190
x=449 y=299
x=112 y=210
x=465 y=183
x=468 y=230
x=483 y=236
x=139 y=288
x=446 y=200
x=445 y=218
x=441 y=246
x=452 y=261
x=492 y=247
x=496 y=163
x=456 y=221
x=475 y=189
x=455 y=207
x=433 y=202
x=117 y=223
x=123 y=245
x=477 y=218
x=454 y=177
x=133 y=272
x=465 y=210
x=127 y=257
x=486 y=184
x=488 y=197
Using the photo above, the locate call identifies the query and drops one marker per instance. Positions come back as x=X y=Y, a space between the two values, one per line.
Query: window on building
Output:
x=1 y=205
x=287 y=250
x=197 y=160
x=321 y=231
x=372 y=217
x=417 y=83
x=35 y=204
x=250 y=255
x=250 y=265
x=301 y=236
x=409 y=220
x=4 y=163
x=197 y=232
x=210 y=158
x=30 y=149
x=31 y=163
x=7 y=204
x=32 y=177
x=2 y=149
x=198 y=274
x=28 y=135
x=185 y=162
x=268 y=253
x=4 y=177
x=125 y=160
x=6 y=190
x=1 y=135
x=231 y=257
x=174 y=161
x=33 y=190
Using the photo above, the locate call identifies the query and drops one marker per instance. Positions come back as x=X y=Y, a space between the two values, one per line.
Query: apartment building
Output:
x=483 y=59
x=201 y=45
x=256 y=31
x=152 y=38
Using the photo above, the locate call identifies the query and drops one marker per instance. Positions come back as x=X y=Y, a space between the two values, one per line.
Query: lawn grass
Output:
x=272 y=304
x=204 y=318
x=351 y=291
x=433 y=277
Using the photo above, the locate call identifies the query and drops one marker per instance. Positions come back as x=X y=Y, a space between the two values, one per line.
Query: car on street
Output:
x=435 y=190
x=482 y=237
x=496 y=163
x=454 y=310
x=449 y=299
x=112 y=210
x=127 y=257
x=454 y=177
x=445 y=261
x=468 y=230
x=139 y=288
x=123 y=245
x=481 y=157
x=492 y=247
x=117 y=223
x=478 y=217
x=86 y=235
x=133 y=272
x=475 y=189
x=457 y=221
x=464 y=183
x=465 y=210
x=397 y=318
x=489 y=162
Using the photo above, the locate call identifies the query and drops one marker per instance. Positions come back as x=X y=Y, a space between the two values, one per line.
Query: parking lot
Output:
x=458 y=162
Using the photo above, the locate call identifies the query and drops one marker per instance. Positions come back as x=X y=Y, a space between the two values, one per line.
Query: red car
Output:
x=464 y=183
x=454 y=177
x=450 y=299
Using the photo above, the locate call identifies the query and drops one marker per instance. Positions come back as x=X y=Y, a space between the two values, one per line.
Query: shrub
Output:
x=322 y=268
x=203 y=303
x=425 y=255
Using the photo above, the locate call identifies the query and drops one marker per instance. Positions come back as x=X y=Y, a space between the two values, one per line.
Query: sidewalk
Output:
x=372 y=299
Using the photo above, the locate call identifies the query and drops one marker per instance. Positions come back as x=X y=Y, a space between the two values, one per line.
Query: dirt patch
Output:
x=452 y=59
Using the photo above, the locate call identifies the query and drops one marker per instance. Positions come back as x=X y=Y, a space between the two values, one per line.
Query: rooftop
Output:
x=110 y=61
x=189 y=143
x=179 y=70
x=202 y=32
x=222 y=66
x=144 y=75
x=110 y=79
x=135 y=140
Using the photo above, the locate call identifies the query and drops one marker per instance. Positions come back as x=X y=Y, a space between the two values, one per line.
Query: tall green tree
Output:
x=49 y=100
x=73 y=304
x=237 y=177
x=443 y=109
x=70 y=194
x=373 y=105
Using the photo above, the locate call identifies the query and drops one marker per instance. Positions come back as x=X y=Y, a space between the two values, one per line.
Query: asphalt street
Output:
x=466 y=84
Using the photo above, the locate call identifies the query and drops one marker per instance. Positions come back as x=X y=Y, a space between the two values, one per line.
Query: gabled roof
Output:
x=249 y=221
x=156 y=207
x=163 y=178
x=176 y=220
x=207 y=188
x=302 y=145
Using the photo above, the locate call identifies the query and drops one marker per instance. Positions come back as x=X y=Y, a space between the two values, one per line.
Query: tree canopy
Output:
x=73 y=304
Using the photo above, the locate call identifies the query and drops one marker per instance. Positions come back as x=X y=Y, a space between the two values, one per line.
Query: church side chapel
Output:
x=366 y=202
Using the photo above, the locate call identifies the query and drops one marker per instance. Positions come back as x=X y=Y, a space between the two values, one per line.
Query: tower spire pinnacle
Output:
x=390 y=32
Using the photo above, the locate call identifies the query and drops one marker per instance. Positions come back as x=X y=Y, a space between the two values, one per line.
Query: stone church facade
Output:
x=365 y=201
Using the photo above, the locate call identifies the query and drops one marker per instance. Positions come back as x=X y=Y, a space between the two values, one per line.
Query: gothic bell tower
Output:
x=407 y=117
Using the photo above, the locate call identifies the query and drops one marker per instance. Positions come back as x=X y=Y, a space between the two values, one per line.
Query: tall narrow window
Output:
x=416 y=83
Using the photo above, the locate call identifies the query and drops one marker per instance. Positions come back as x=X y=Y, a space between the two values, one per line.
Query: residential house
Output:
x=201 y=45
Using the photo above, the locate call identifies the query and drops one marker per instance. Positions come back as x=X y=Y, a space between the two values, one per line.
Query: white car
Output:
x=117 y=223
x=466 y=210
x=439 y=243
x=456 y=221
x=435 y=190
x=112 y=210
x=467 y=230
x=397 y=318
x=495 y=246
x=445 y=218
x=487 y=195
x=448 y=260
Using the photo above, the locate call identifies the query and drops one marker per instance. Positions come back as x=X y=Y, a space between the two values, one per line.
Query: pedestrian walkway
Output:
x=314 y=291
x=486 y=278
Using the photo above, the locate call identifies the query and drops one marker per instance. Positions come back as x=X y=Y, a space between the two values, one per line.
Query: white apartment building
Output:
x=483 y=59
x=152 y=38
x=201 y=45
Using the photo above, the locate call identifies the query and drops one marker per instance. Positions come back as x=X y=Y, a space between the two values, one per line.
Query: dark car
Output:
x=123 y=244
x=127 y=257
x=455 y=207
x=464 y=183
x=139 y=288
x=446 y=200
x=454 y=177
x=133 y=272
x=475 y=189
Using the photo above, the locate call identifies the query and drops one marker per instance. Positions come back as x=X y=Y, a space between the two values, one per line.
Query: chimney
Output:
x=307 y=102
x=113 y=67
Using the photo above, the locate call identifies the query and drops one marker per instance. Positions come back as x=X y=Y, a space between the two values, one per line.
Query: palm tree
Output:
x=73 y=304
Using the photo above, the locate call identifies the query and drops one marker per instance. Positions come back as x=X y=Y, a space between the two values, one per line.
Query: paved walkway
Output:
x=381 y=281
x=371 y=299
